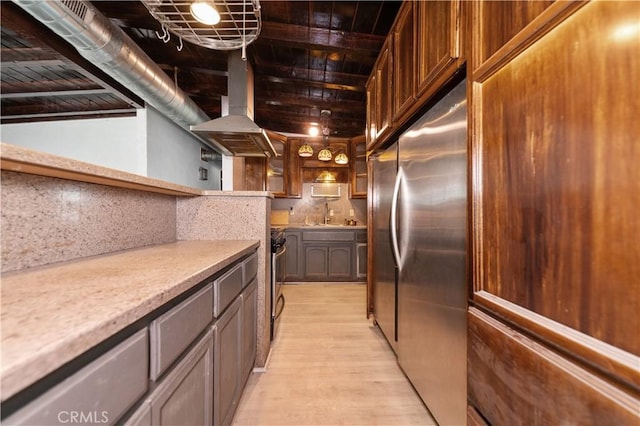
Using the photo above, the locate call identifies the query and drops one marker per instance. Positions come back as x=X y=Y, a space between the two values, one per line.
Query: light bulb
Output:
x=204 y=12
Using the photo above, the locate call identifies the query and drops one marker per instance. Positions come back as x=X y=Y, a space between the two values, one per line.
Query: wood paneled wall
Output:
x=555 y=185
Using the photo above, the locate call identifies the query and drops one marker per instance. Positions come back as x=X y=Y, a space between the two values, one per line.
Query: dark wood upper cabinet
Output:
x=439 y=37
x=384 y=89
x=420 y=55
x=404 y=75
x=371 y=131
x=358 y=168
x=512 y=17
x=282 y=175
x=276 y=168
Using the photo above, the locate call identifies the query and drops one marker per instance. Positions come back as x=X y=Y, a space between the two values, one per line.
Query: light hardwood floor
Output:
x=329 y=366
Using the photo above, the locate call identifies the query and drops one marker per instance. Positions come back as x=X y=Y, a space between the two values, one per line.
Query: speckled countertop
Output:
x=321 y=227
x=53 y=313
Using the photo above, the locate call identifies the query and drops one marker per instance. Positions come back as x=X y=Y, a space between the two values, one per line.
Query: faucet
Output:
x=327 y=218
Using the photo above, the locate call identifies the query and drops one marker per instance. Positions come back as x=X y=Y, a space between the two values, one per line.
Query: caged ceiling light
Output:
x=205 y=12
x=218 y=25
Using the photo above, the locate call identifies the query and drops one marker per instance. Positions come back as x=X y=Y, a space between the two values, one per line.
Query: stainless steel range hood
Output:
x=237 y=132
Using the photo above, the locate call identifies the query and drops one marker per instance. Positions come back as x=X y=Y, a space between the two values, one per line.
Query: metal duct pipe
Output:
x=107 y=46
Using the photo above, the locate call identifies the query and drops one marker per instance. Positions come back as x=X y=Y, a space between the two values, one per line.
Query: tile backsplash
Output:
x=311 y=210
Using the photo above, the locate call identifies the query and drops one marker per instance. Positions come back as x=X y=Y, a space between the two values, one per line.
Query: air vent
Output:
x=76 y=7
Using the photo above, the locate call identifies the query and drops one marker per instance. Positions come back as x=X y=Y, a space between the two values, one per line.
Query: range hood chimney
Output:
x=237 y=132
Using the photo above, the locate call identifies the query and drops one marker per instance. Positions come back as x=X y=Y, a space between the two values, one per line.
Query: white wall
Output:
x=148 y=144
x=117 y=143
x=174 y=154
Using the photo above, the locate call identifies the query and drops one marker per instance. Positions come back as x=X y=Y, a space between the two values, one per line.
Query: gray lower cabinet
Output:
x=184 y=396
x=328 y=262
x=341 y=263
x=294 y=257
x=327 y=254
x=227 y=384
x=100 y=392
x=316 y=260
x=249 y=328
x=171 y=333
x=188 y=367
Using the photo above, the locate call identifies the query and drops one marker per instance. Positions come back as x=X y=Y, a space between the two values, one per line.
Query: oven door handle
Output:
x=281 y=252
x=280 y=305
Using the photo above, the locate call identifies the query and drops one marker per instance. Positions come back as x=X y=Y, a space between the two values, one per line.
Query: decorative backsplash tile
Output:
x=311 y=210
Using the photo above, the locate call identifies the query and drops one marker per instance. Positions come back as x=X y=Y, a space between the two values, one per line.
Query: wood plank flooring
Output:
x=329 y=366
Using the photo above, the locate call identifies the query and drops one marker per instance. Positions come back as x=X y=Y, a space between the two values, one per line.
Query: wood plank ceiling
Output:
x=310 y=56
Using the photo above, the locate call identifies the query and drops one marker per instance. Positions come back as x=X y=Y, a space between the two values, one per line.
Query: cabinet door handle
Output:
x=393 y=226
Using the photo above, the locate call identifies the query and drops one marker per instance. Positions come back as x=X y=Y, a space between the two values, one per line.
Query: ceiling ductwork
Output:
x=109 y=48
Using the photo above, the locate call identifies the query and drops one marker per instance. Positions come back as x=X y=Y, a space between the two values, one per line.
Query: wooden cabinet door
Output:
x=438 y=42
x=228 y=364
x=384 y=89
x=185 y=397
x=293 y=169
x=294 y=256
x=404 y=59
x=341 y=263
x=371 y=130
x=358 y=168
x=277 y=179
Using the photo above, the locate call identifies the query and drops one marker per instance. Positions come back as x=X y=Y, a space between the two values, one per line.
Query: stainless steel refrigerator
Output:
x=426 y=239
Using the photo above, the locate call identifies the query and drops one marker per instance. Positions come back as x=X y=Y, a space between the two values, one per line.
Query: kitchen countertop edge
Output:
x=51 y=314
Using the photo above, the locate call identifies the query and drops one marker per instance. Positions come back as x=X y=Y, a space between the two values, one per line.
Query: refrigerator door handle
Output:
x=394 y=218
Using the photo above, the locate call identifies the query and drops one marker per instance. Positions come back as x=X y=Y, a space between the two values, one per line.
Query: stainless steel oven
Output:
x=278 y=270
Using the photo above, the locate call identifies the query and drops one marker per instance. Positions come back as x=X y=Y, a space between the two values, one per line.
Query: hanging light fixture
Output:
x=205 y=12
x=342 y=158
x=326 y=177
x=305 y=150
x=325 y=153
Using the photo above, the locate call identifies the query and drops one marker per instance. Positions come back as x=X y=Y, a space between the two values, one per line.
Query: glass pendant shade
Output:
x=326 y=177
x=342 y=158
x=305 y=150
x=205 y=12
x=324 y=155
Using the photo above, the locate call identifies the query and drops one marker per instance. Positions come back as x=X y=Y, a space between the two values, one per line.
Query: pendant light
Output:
x=325 y=153
x=342 y=158
x=305 y=150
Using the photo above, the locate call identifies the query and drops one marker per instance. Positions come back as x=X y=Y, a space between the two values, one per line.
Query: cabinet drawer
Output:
x=173 y=332
x=361 y=236
x=101 y=391
x=328 y=236
x=226 y=288
x=250 y=268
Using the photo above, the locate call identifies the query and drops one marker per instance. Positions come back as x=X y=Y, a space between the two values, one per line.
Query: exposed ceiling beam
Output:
x=288 y=35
